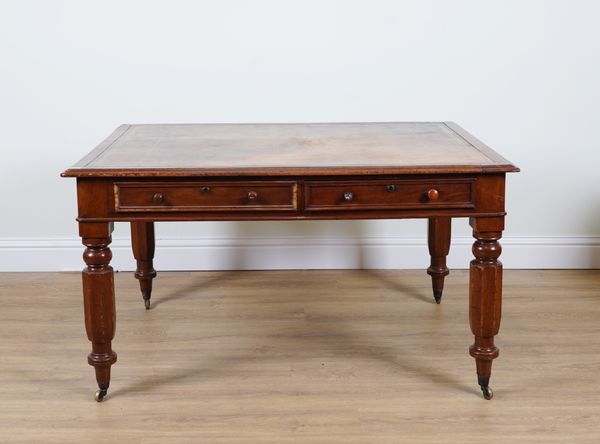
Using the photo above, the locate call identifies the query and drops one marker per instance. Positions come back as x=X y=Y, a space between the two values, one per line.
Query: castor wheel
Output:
x=100 y=394
x=147 y=304
x=487 y=392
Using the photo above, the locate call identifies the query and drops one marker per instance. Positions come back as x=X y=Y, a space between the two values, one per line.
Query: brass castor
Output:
x=100 y=394
x=487 y=392
x=147 y=304
x=437 y=295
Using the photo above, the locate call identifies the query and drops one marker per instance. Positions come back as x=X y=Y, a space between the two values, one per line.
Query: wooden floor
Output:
x=301 y=357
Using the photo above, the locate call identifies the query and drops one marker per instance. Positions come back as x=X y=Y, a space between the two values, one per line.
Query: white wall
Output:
x=521 y=75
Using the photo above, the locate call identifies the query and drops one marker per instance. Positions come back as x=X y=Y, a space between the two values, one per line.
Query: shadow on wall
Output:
x=282 y=245
x=292 y=243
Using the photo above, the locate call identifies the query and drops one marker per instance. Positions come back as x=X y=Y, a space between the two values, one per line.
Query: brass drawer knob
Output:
x=205 y=189
x=252 y=195
x=348 y=196
x=390 y=188
x=433 y=194
x=158 y=198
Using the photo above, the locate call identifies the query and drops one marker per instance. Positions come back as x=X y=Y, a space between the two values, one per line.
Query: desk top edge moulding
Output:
x=142 y=174
x=280 y=149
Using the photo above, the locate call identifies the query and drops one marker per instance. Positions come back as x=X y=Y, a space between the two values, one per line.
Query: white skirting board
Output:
x=299 y=252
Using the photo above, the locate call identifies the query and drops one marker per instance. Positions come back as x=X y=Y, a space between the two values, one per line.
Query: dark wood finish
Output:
x=97 y=201
x=388 y=195
x=433 y=194
x=99 y=300
x=147 y=173
x=485 y=295
x=205 y=196
x=142 y=242
x=438 y=240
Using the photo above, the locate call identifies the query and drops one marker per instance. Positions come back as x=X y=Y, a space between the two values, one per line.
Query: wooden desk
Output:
x=146 y=173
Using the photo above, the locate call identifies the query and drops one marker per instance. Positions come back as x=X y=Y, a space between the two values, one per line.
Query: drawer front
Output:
x=389 y=195
x=205 y=196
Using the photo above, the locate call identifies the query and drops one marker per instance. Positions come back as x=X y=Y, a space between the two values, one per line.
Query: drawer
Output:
x=389 y=195
x=205 y=196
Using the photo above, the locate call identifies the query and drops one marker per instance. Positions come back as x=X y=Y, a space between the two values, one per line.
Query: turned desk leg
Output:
x=485 y=296
x=99 y=300
x=142 y=241
x=438 y=238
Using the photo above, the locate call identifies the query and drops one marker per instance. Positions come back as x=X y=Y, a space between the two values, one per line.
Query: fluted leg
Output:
x=485 y=296
x=439 y=230
x=99 y=300
x=142 y=241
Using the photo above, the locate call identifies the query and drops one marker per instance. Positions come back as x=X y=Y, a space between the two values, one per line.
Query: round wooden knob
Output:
x=348 y=196
x=433 y=194
x=252 y=195
x=158 y=198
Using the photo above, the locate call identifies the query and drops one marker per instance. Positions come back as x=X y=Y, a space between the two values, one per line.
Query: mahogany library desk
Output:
x=219 y=172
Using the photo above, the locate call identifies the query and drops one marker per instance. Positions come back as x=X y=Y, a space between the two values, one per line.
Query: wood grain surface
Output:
x=392 y=148
x=302 y=357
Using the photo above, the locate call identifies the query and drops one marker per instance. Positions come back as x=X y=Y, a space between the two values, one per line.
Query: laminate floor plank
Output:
x=328 y=356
